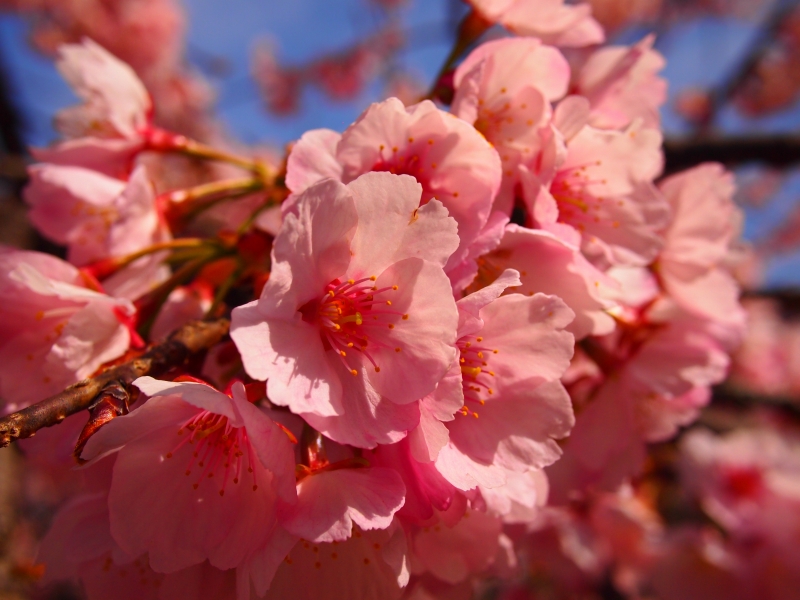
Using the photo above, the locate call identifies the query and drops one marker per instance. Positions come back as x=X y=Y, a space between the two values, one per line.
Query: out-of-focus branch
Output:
x=189 y=339
x=729 y=396
x=750 y=58
x=777 y=151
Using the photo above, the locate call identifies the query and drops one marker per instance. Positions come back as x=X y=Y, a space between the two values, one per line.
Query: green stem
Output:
x=149 y=304
x=186 y=204
x=109 y=266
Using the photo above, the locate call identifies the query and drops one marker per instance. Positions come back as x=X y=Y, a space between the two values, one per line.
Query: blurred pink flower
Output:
x=95 y=216
x=622 y=85
x=55 y=328
x=550 y=20
x=698 y=242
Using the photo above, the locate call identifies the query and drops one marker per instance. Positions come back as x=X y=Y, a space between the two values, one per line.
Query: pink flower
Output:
x=655 y=384
x=697 y=564
x=610 y=534
x=107 y=131
x=208 y=493
x=116 y=104
x=604 y=189
x=698 y=242
x=331 y=502
x=281 y=87
x=369 y=565
x=452 y=161
x=357 y=321
x=55 y=329
x=549 y=265
x=747 y=481
x=79 y=545
x=426 y=492
x=512 y=352
x=504 y=88
x=550 y=20
x=454 y=551
x=622 y=85
x=94 y=215
x=184 y=304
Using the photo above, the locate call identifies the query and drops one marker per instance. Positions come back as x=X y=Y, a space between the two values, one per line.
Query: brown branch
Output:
x=776 y=151
x=189 y=339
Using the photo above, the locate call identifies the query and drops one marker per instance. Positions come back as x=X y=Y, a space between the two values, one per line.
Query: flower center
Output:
x=219 y=450
x=476 y=376
x=576 y=204
x=351 y=314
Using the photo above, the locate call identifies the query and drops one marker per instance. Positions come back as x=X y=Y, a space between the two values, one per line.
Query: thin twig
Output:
x=189 y=339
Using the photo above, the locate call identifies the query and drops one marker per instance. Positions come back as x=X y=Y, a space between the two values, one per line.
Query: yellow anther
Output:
x=372 y=278
x=471 y=371
x=479 y=339
x=331 y=294
x=388 y=302
x=405 y=317
x=353 y=372
x=349 y=344
x=495 y=351
x=480 y=354
x=474 y=414
x=394 y=287
x=342 y=352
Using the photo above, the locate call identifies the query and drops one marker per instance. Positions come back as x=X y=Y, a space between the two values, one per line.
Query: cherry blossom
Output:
x=692 y=266
x=79 y=545
x=361 y=306
x=504 y=88
x=622 y=85
x=604 y=188
x=94 y=215
x=332 y=501
x=106 y=132
x=553 y=21
x=549 y=265
x=207 y=493
x=57 y=327
x=496 y=337
x=371 y=564
x=452 y=162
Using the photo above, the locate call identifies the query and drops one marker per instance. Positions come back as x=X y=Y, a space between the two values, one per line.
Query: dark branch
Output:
x=777 y=151
x=189 y=339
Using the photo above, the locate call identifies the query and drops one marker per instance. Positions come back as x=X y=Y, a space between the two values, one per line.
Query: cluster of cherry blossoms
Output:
x=440 y=322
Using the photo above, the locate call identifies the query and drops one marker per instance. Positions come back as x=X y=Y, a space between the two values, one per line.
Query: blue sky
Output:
x=698 y=53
